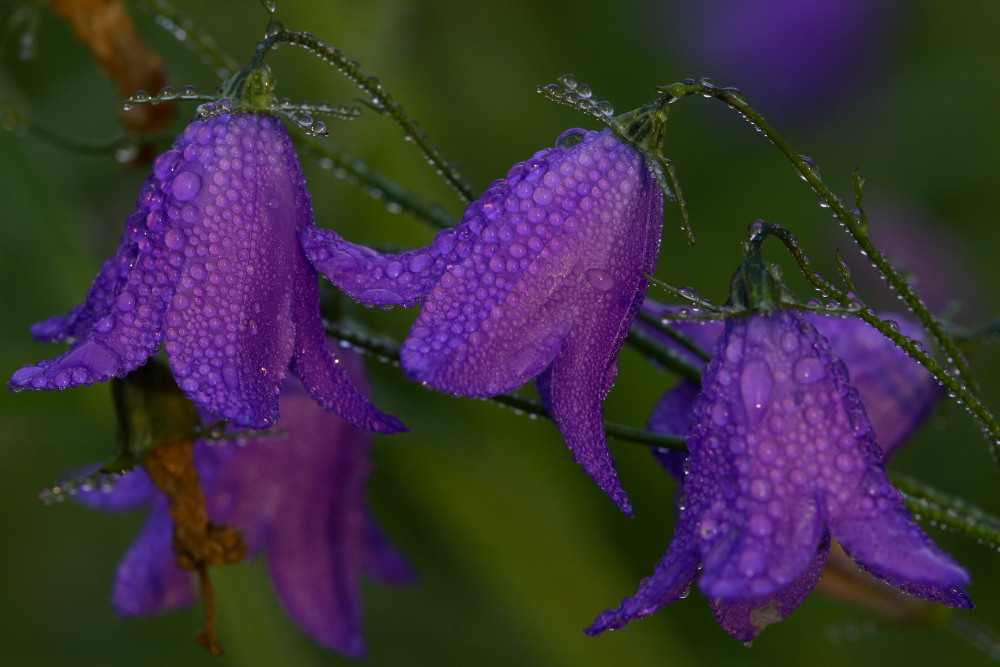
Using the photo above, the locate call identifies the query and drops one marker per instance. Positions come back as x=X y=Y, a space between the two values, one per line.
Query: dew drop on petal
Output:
x=599 y=279
x=126 y=301
x=174 y=239
x=186 y=186
x=756 y=382
x=809 y=370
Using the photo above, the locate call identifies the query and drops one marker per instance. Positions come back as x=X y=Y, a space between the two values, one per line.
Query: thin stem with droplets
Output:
x=958 y=389
x=388 y=351
x=855 y=223
x=191 y=35
x=378 y=185
x=380 y=99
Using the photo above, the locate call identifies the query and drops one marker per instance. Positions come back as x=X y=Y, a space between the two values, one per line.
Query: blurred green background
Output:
x=516 y=549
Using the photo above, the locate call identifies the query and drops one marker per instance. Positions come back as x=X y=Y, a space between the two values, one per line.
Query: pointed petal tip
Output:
x=607 y=620
x=386 y=423
x=623 y=503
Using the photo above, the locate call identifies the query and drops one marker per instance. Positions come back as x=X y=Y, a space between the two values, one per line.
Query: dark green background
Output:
x=516 y=549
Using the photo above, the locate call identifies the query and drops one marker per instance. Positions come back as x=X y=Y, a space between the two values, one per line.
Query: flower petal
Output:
x=130 y=490
x=876 y=530
x=745 y=619
x=371 y=277
x=752 y=446
x=670 y=581
x=382 y=560
x=127 y=329
x=581 y=377
x=316 y=363
x=672 y=416
x=99 y=302
x=148 y=580
x=229 y=331
x=300 y=493
x=897 y=392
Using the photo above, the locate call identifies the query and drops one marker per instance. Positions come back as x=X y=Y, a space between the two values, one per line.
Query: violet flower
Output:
x=299 y=495
x=897 y=392
x=782 y=456
x=541 y=280
x=210 y=265
x=798 y=57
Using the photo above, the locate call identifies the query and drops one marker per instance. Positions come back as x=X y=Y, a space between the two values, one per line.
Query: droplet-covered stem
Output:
x=956 y=387
x=380 y=99
x=388 y=351
x=856 y=226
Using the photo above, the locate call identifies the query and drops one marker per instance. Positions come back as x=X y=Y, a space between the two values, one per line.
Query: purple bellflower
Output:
x=897 y=392
x=797 y=56
x=210 y=265
x=299 y=495
x=782 y=457
x=541 y=280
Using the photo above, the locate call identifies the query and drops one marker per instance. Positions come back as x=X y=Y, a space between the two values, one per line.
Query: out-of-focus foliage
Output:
x=517 y=551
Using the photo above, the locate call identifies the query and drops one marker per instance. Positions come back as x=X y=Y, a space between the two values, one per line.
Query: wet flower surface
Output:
x=782 y=457
x=897 y=392
x=541 y=279
x=297 y=494
x=210 y=266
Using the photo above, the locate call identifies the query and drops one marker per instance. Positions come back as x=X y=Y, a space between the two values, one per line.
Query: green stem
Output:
x=959 y=390
x=381 y=100
x=856 y=225
x=949 y=511
x=380 y=186
x=388 y=351
x=190 y=34
x=669 y=358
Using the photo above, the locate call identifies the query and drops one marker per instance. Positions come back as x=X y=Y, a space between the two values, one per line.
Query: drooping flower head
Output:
x=782 y=457
x=297 y=494
x=897 y=392
x=541 y=279
x=210 y=266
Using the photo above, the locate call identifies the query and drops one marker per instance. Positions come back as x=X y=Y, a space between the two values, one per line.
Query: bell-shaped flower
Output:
x=210 y=265
x=541 y=279
x=298 y=494
x=782 y=457
x=897 y=392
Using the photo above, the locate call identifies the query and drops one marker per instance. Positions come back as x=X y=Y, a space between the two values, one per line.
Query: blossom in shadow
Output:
x=797 y=59
x=541 y=280
x=782 y=457
x=210 y=265
x=298 y=495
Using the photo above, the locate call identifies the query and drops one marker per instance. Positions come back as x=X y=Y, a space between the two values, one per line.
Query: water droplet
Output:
x=689 y=293
x=568 y=81
x=756 y=383
x=274 y=26
x=809 y=370
x=186 y=186
x=167 y=93
x=189 y=92
x=600 y=279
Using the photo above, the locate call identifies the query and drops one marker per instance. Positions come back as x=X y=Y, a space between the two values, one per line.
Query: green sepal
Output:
x=151 y=410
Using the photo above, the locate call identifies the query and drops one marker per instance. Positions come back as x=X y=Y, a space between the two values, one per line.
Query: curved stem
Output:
x=381 y=100
x=856 y=225
x=958 y=389
x=373 y=181
x=388 y=351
